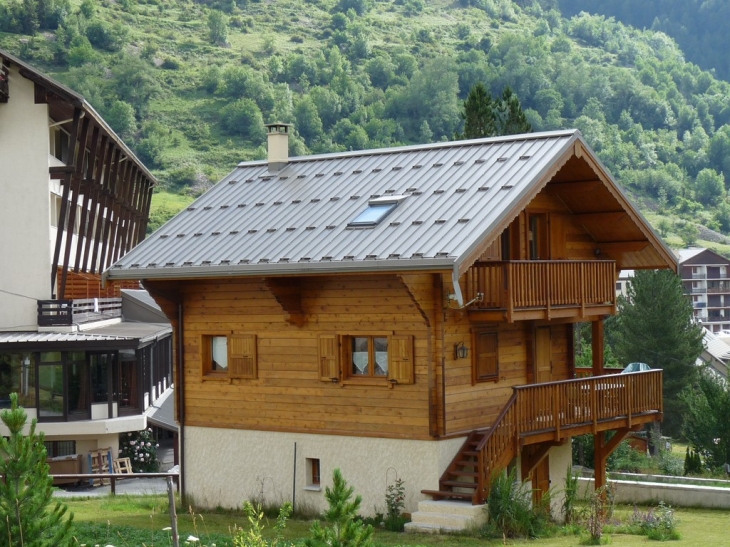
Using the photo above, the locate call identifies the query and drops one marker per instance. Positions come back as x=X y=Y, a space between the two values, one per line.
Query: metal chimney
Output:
x=278 y=137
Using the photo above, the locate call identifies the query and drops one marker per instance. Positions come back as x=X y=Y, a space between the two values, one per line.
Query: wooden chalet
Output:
x=404 y=311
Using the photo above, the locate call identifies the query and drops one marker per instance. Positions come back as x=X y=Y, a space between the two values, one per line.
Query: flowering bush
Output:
x=658 y=523
x=141 y=449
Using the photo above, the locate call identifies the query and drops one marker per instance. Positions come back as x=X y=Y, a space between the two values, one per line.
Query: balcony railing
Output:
x=552 y=412
x=529 y=286
x=55 y=313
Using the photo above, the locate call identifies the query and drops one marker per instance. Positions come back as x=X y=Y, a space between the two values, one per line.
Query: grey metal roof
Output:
x=686 y=254
x=138 y=305
x=121 y=332
x=130 y=330
x=56 y=337
x=162 y=412
x=254 y=222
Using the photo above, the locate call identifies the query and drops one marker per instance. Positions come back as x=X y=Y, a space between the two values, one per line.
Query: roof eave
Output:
x=281 y=269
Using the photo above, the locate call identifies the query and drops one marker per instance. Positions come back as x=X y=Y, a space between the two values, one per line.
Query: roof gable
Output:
x=460 y=196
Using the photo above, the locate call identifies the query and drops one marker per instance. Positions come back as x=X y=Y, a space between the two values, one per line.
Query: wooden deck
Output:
x=549 y=414
x=541 y=289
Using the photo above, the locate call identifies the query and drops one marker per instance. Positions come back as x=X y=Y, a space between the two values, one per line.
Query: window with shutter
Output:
x=228 y=356
x=400 y=356
x=242 y=356
x=329 y=364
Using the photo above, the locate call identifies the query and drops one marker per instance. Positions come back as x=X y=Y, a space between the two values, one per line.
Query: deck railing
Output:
x=543 y=284
x=84 y=310
x=564 y=408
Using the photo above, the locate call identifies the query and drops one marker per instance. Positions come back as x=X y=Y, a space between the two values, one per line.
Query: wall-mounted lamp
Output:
x=460 y=351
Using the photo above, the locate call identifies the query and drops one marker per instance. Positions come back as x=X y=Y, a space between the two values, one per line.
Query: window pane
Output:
x=78 y=388
x=51 y=357
x=381 y=356
x=219 y=353
x=129 y=396
x=99 y=378
x=360 y=356
x=50 y=391
x=373 y=214
x=16 y=375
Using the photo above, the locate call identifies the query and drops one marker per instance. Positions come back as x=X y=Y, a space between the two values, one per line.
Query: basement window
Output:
x=377 y=210
x=314 y=478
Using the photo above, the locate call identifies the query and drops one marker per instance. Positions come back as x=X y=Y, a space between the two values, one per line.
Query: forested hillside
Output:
x=189 y=84
x=698 y=26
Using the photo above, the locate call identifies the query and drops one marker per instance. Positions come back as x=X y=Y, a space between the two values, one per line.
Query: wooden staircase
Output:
x=549 y=413
x=461 y=478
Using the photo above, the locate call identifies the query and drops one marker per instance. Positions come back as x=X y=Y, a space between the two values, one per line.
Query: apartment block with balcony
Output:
x=73 y=198
x=706 y=279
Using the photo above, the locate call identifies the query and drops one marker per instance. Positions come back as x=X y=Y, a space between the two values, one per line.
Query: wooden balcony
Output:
x=548 y=414
x=541 y=289
x=60 y=313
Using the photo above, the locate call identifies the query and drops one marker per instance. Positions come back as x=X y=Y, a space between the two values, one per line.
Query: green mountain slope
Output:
x=189 y=85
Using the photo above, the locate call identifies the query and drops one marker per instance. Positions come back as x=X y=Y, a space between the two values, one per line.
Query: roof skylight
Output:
x=377 y=210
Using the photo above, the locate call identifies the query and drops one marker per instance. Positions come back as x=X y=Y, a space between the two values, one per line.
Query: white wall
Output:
x=24 y=206
x=224 y=467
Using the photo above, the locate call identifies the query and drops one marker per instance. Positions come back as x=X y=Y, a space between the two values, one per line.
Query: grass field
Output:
x=139 y=521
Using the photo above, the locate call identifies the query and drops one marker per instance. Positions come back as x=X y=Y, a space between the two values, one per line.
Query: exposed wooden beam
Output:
x=601 y=217
x=78 y=162
x=61 y=228
x=532 y=455
x=96 y=209
x=576 y=186
x=617 y=247
x=602 y=449
x=84 y=224
x=597 y=343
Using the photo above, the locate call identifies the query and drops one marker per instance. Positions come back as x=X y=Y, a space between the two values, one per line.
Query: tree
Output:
x=26 y=516
x=706 y=423
x=243 y=117
x=345 y=529
x=511 y=119
x=710 y=187
x=485 y=116
x=217 y=27
x=478 y=114
x=655 y=326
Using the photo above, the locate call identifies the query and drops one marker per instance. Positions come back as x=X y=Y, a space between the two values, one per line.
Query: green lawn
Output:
x=132 y=521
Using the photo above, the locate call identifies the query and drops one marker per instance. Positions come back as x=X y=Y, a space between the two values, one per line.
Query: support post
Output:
x=597 y=346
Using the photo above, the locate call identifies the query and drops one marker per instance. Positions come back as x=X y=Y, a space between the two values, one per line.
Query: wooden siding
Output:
x=288 y=393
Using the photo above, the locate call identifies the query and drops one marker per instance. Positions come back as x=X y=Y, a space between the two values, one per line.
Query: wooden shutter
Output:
x=400 y=359
x=329 y=363
x=242 y=356
x=486 y=356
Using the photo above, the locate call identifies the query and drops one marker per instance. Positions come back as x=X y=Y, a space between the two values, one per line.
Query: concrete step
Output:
x=434 y=516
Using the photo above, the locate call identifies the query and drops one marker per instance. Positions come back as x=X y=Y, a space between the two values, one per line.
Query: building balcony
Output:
x=539 y=289
x=65 y=313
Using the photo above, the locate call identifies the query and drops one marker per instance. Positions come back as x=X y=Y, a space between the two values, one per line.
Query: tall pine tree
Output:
x=485 y=116
x=26 y=516
x=655 y=326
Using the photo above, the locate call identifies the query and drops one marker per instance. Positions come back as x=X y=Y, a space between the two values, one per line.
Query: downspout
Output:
x=181 y=397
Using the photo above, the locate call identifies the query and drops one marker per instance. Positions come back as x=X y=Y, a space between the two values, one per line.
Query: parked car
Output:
x=636 y=367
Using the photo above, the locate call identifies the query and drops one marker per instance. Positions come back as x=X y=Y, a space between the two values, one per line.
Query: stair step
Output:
x=470 y=453
x=444 y=494
x=458 y=484
x=458 y=473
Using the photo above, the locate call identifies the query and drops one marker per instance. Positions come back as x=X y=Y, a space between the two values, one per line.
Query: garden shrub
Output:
x=141 y=449
x=345 y=528
x=510 y=509
x=395 y=503
x=254 y=537
x=658 y=523
x=570 y=496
